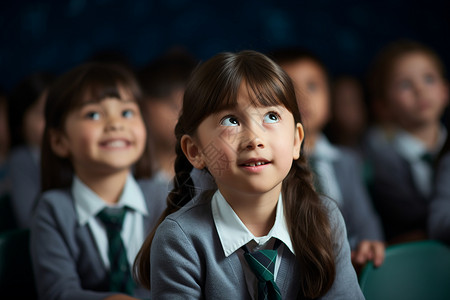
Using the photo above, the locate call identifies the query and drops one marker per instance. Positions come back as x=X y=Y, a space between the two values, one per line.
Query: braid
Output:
x=182 y=192
x=310 y=231
x=183 y=186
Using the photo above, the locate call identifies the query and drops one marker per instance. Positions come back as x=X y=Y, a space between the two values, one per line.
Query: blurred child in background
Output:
x=163 y=83
x=337 y=169
x=26 y=122
x=348 y=113
x=407 y=80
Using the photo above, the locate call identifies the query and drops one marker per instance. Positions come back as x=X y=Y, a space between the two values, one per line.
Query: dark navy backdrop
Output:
x=56 y=35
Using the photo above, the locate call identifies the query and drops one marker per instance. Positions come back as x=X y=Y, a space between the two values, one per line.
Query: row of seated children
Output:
x=309 y=76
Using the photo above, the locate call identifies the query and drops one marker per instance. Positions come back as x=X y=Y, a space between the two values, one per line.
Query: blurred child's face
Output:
x=349 y=108
x=162 y=118
x=102 y=137
x=34 y=122
x=248 y=150
x=310 y=80
x=417 y=93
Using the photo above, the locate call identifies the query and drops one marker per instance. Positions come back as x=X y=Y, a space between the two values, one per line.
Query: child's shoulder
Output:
x=190 y=229
x=195 y=210
x=195 y=215
x=334 y=213
x=59 y=200
x=56 y=204
x=154 y=188
x=57 y=197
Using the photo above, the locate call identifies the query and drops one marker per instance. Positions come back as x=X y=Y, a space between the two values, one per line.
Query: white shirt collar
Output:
x=88 y=204
x=412 y=148
x=324 y=150
x=232 y=232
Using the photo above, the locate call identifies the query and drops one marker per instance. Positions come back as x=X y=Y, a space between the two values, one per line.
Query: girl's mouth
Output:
x=254 y=164
x=115 y=144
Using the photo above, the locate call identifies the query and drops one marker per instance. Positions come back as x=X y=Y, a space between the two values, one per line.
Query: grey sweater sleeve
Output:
x=346 y=284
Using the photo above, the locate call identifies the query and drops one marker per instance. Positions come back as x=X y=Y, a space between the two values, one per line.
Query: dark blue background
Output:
x=56 y=35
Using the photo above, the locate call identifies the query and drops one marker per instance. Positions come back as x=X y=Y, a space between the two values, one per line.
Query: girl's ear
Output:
x=192 y=152
x=58 y=143
x=299 y=134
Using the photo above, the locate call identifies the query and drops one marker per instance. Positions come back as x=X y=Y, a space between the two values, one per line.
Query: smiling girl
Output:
x=94 y=139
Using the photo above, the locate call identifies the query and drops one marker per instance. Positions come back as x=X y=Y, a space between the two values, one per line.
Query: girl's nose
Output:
x=252 y=138
x=254 y=143
x=114 y=124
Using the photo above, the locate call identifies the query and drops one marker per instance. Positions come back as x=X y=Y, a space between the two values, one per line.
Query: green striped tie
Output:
x=262 y=263
x=120 y=274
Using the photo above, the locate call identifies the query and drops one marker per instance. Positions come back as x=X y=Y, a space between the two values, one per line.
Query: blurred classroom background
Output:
x=50 y=35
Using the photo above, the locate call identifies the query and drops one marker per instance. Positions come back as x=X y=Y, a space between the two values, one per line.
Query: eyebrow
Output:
x=89 y=102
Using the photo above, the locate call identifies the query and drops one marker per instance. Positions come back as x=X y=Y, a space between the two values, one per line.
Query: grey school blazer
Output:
x=66 y=262
x=401 y=206
x=361 y=218
x=439 y=213
x=188 y=262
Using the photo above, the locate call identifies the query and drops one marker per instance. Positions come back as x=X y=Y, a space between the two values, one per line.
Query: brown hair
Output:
x=86 y=82
x=381 y=67
x=215 y=85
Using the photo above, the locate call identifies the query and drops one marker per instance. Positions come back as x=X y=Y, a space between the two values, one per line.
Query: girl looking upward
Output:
x=240 y=121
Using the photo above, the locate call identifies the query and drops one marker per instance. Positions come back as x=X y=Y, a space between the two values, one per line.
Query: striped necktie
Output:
x=120 y=273
x=262 y=263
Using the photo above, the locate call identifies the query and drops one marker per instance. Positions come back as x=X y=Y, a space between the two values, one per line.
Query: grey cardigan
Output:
x=188 y=262
x=66 y=262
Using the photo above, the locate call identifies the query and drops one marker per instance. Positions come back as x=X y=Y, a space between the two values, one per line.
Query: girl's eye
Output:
x=128 y=113
x=229 y=121
x=93 y=115
x=271 y=117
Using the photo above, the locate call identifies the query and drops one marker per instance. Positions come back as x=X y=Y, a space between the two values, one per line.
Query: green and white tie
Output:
x=120 y=273
x=262 y=263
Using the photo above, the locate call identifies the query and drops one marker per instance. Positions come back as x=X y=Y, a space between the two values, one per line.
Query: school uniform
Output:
x=196 y=254
x=69 y=245
x=339 y=176
x=439 y=212
x=401 y=183
x=25 y=178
